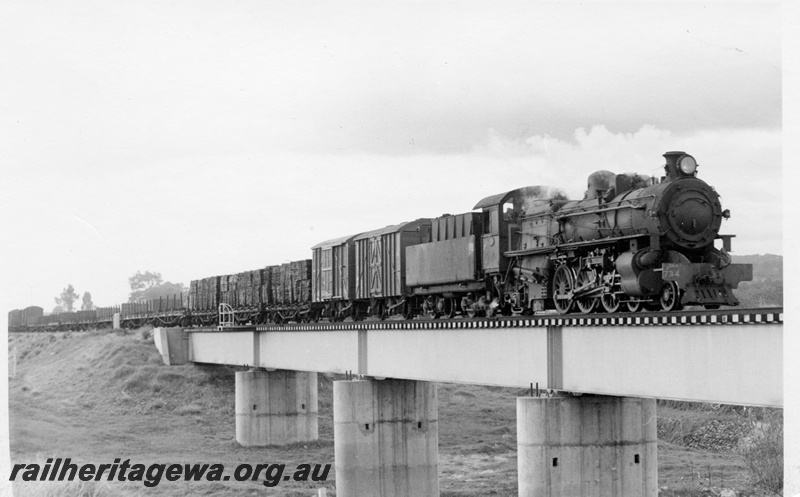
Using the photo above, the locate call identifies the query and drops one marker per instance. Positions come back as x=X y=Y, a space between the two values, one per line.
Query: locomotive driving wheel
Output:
x=670 y=297
x=633 y=305
x=586 y=304
x=563 y=285
x=610 y=302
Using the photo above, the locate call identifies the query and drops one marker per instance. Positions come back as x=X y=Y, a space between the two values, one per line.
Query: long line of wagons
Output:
x=633 y=242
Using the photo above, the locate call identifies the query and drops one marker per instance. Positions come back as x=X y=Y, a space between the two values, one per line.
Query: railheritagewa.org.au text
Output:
x=58 y=469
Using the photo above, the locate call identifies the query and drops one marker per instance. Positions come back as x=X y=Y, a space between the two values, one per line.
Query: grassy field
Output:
x=98 y=396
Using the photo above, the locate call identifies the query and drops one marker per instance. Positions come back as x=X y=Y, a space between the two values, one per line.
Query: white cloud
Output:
x=149 y=79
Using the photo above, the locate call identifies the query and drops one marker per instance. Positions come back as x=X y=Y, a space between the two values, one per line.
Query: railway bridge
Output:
x=588 y=426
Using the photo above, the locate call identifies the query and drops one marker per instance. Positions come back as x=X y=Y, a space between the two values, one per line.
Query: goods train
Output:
x=633 y=242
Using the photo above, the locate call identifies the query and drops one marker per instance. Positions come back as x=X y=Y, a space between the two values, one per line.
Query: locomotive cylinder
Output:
x=638 y=275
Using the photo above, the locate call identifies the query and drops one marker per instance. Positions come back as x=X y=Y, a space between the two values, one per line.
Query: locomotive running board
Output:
x=567 y=246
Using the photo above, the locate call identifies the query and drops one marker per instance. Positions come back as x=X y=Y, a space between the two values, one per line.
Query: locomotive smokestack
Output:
x=671 y=167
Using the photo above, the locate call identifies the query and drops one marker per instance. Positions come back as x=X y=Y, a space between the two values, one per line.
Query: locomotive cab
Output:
x=499 y=230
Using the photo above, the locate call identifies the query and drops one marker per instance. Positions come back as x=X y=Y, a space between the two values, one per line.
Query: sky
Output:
x=198 y=138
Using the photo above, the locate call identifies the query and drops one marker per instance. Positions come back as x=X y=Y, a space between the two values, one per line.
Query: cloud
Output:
x=145 y=79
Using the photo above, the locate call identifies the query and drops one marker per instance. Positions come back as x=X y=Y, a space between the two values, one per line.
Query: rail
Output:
x=765 y=316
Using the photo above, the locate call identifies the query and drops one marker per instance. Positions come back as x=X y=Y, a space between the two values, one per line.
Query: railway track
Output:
x=764 y=315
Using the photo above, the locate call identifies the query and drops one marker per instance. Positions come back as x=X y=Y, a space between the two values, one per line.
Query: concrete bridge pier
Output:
x=589 y=445
x=276 y=407
x=386 y=438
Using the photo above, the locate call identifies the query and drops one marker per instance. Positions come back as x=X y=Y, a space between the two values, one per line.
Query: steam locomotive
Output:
x=633 y=242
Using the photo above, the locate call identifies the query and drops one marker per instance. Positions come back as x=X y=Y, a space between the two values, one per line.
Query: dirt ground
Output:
x=97 y=396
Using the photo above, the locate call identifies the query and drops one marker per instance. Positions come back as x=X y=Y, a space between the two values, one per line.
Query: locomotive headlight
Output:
x=687 y=165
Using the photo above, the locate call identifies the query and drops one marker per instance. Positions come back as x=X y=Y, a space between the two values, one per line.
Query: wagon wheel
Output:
x=610 y=302
x=332 y=312
x=453 y=306
x=343 y=313
x=586 y=304
x=468 y=306
x=670 y=297
x=444 y=307
x=391 y=308
x=408 y=310
x=563 y=285
x=438 y=307
x=378 y=309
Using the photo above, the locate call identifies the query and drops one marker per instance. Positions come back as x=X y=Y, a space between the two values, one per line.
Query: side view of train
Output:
x=632 y=243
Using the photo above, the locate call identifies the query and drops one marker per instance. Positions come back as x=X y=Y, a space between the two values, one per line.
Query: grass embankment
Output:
x=97 y=396
x=705 y=448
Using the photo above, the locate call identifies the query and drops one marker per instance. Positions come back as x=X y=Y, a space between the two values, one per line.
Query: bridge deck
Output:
x=733 y=357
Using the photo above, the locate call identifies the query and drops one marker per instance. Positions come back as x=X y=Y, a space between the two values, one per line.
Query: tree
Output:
x=67 y=298
x=142 y=281
x=87 y=305
x=150 y=285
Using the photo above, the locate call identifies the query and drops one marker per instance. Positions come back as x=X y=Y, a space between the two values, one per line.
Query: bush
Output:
x=146 y=332
x=762 y=451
